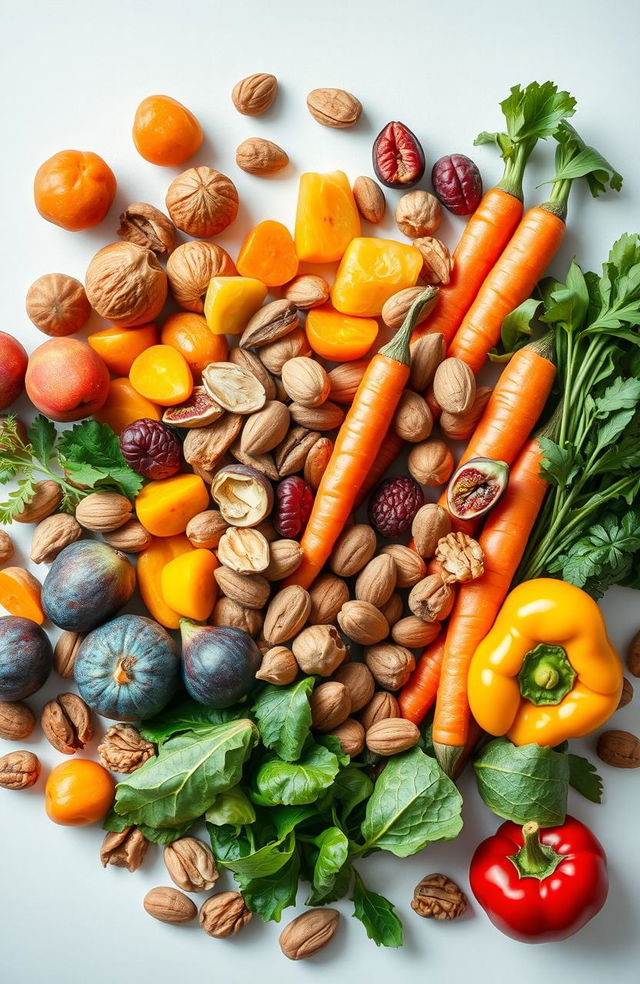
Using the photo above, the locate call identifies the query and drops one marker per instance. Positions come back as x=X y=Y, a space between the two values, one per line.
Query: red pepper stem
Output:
x=533 y=859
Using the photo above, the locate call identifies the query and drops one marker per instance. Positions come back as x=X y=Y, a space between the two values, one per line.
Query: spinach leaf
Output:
x=377 y=916
x=333 y=744
x=186 y=715
x=351 y=787
x=283 y=715
x=232 y=807
x=296 y=783
x=333 y=854
x=156 y=835
x=182 y=781
x=584 y=778
x=412 y=804
x=239 y=857
x=269 y=895
x=521 y=783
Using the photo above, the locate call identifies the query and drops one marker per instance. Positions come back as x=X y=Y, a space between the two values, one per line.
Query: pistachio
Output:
x=358 y=680
x=53 y=534
x=255 y=94
x=305 y=382
x=224 y=914
x=123 y=749
x=370 y=199
x=319 y=650
x=454 y=386
x=328 y=594
x=17 y=720
x=169 y=905
x=427 y=352
x=251 y=591
x=102 y=512
x=146 y=226
x=330 y=706
x=362 y=622
x=278 y=667
x=410 y=567
x=271 y=322
x=334 y=107
x=259 y=156
x=287 y=613
x=307 y=934
x=353 y=549
x=205 y=529
x=66 y=723
x=392 y=736
x=233 y=387
x=124 y=849
x=190 y=864
x=390 y=665
x=307 y=291
x=65 y=652
x=266 y=429
x=244 y=550
x=376 y=582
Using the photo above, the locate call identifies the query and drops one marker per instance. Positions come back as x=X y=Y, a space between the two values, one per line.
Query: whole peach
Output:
x=13 y=365
x=66 y=379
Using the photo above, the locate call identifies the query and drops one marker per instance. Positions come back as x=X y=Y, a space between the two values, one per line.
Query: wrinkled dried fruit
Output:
x=294 y=501
x=457 y=183
x=398 y=158
x=476 y=487
x=244 y=495
x=198 y=411
x=123 y=749
x=151 y=449
x=394 y=504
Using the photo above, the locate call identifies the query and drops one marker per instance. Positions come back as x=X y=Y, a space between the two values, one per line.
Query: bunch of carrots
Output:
x=500 y=258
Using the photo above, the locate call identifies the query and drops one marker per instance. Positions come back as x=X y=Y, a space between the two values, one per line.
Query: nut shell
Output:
x=123 y=749
x=169 y=905
x=232 y=613
x=224 y=914
x=307 y=291
x=190 y=268
x=350 y=734
x=307 y=934
x=330 y=706
x=431 y=599
x=438 y=897
x=124 y=849
x=362 y=622
x=202 y=202
x=265 y=429
x=259 y=156
x=190 y=864
x=65 y=652
x=53 y=534
x=285 y=557
x=392 y=736
x=454 y=386
x=369 y=198
x=45 y=501
x=377 y=581
x=57 y=304
x=390 y=665
x=305 y=382
x=328 y=594
x=66 y=723
x=358 y=680
x=103 y=512
x=132 y=538
x=410 y=567
x=278 y=667
x=382 y=706
x=147 y=226
x=431 y=462
x=19 y=770
x=250 y=591
x=396 y=308
x=255 y=94
x=430 y=524
x=319 y=650
x=6 y=547
x=206 y=528
x=427 y=352
x=414 y=632
x=17 y=720
x=353 y=550
x=243 y=550
x=126 y=285
x=287 y=613
x=418 y=214
x=620 y=749
x=334 y=107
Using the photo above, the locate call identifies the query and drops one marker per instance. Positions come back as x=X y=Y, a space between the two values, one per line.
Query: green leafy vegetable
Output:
x=377 y=916
x=294 y=783
x=231 y=807
x=183 y=780
x=516 y=330
x=333 y=855
x=157 y=835
x=269 y=895
x=187 y=715
x=584 y=778
x=283 y=715
x=522 y=783
x=413 y=803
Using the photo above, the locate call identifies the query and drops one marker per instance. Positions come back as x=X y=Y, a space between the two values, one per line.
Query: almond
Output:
x=334 y=107
x=327 y=417
x=328 y=594
x=427 y=352
x=317 y=461
x=381 y=707
x=370 y=199
x=278 y=667
x=454 y=386
x=350 y=734
x=345 y=379
x=305 y=382
x=285 y=557
x=102 y=512
x=255 y=94
x=270 y=323
x=250 y=362
x=287 y=613
x=259 y=156
x=307 y=291
x=131 y=538
x=53 y=534
x=169 y=905
x=308 y=933
x=376 y=582
x=396 y=308
x=412 y=420
x=45 y=500
x=353 y=549
x=414 y=633
x=430 y=524
x=319 y=650
x=330 y=706
x=392 y=736
x=391 y=665
x=410 y=567
x=251 y=591
x=460 y=426
x=357 y=678
x=265 y=429
x=205 y=529
x=362 y=622
x=65 y=652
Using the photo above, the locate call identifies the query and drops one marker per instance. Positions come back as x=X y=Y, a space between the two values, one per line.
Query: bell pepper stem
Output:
x=535 y=859
x=546 y=676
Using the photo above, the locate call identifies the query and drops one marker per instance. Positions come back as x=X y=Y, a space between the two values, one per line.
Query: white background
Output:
x=71 y=76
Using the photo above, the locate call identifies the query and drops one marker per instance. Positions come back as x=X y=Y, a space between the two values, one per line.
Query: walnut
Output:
x=202 y=202
x=147 y=226
x=461 y=556
x=123 y=749
x=438 y=897
x=418 y=213
x=255 y=94
x=190 y=864
x=19 y=770
x=124 y=849
x=224 y=914
x=190 y=268
x=126 y=285
x=66 y=723
x=6 y=547
x=17 y=720
x=57 y=304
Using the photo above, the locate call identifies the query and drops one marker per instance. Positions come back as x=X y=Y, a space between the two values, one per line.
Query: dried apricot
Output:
x=339 y=337
x=161 y=374
x=269 y=254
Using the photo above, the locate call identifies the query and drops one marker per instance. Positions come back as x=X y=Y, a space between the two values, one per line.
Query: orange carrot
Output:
x=510 y=282
x=503 y=541
x=390 y=449
x=357 y=446
x=419 y=693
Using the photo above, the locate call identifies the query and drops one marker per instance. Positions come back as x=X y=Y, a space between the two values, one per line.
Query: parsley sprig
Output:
x=88 y=455
x=589 y=529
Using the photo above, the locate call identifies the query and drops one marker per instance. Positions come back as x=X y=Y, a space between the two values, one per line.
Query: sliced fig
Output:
x=476 y=486
x=398 y=158
x=198 y=411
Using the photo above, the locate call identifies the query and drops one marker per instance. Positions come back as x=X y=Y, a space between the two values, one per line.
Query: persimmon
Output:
x=78 y=793
x=74 y=189
x=165 y=132
x=269 y=254
x=339 y=337
x=119 y=347
x=161 y=374
x=190 y=335
x=20 y=594
x=124 y=405
x=151 y=563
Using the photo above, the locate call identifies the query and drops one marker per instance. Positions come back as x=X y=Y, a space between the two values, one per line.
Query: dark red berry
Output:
x=151 y=449
x=398 y=158
x=394 y=504
x=457 y=183
x=294 y=499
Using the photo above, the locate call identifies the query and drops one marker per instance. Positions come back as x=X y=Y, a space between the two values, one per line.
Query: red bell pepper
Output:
x=538 y=886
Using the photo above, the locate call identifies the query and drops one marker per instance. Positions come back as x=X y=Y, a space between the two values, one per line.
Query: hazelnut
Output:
x=382 y=705
x=126 y=285
x=202 y=202
x=410 y=567
x=412 y=421
x=362 y=622
x=330 y=706
x=376 y=582
x=190 y=268
x=430 y=524
x=357 y=678
x=319 y=650
x=431 y=599
x=393 y=609
x=391 y=665
x=57 y=304
x=350 y=734
x=353 y=549
x=278 y=667
x=431 y=462
x=328 y=594
x=287 y=613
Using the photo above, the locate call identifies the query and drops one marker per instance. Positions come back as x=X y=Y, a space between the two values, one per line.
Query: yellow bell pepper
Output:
x=370 y=272
x=546 y=671
x=230 y=302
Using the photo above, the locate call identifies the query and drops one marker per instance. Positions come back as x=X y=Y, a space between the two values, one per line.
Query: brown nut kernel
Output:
x=57 y=304
x=370 y=199
x=287 y=613
x=431 y=599
x=206 y=529
x=431 y=462
x=19 y=770
x=190 y=269
x=330 y=706
x=392 y=736
x=124 y=849
x=430 y=524
x=328 y=594
x=413 y=420
x=317 y=461
x=270 y=323
x=285 y=557
x=418 y=214
x=350 y=734
x=53 y=534
x=259 y=156
x=148 y=227
x=243 y=550
x=334 y=107
x=202 y=202
x=357 y=678
x=255 y=94
x=224 y=914
x=251 y=591
x=45 y=500
x=305 y=382
x=381 y=707
x=390 y=665
x=169 y=905
x=131 y=538
x=265 y=429
x=230 y=612
x=126 y=285
x=410 y=567
x=307 y=291
x=251 y=363
x=627 y=693
x=633 y=655
x=461 y=557
x=396 y=308
x=454 y=386
x=190 y=864
x=345 y=380
x=291 y=455
x=353 y=549
x=123 y=749
x=437 y=263
x=414 y=632
x=620 y=749
x=438 y=897
x=278 y=667
x=65 y=652
x=427 y=352
x=328 y=416
x=460 y=426
x=17 y=720
x=66 y=723
x=362 y=622
x=377 y=581
x=319 y=650
x=305 y=935
x=6 y=547
x=102 y=512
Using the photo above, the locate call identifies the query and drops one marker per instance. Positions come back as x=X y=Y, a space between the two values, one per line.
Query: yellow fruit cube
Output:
x=230 y=302
x=371 y=271
x=327 y=218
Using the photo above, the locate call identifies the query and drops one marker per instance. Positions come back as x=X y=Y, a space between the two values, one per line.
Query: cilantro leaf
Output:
x=17 y=500
x=584 y=778
x=42 y=436
x=559 y=465
x=376 y=915
x=92 y=456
